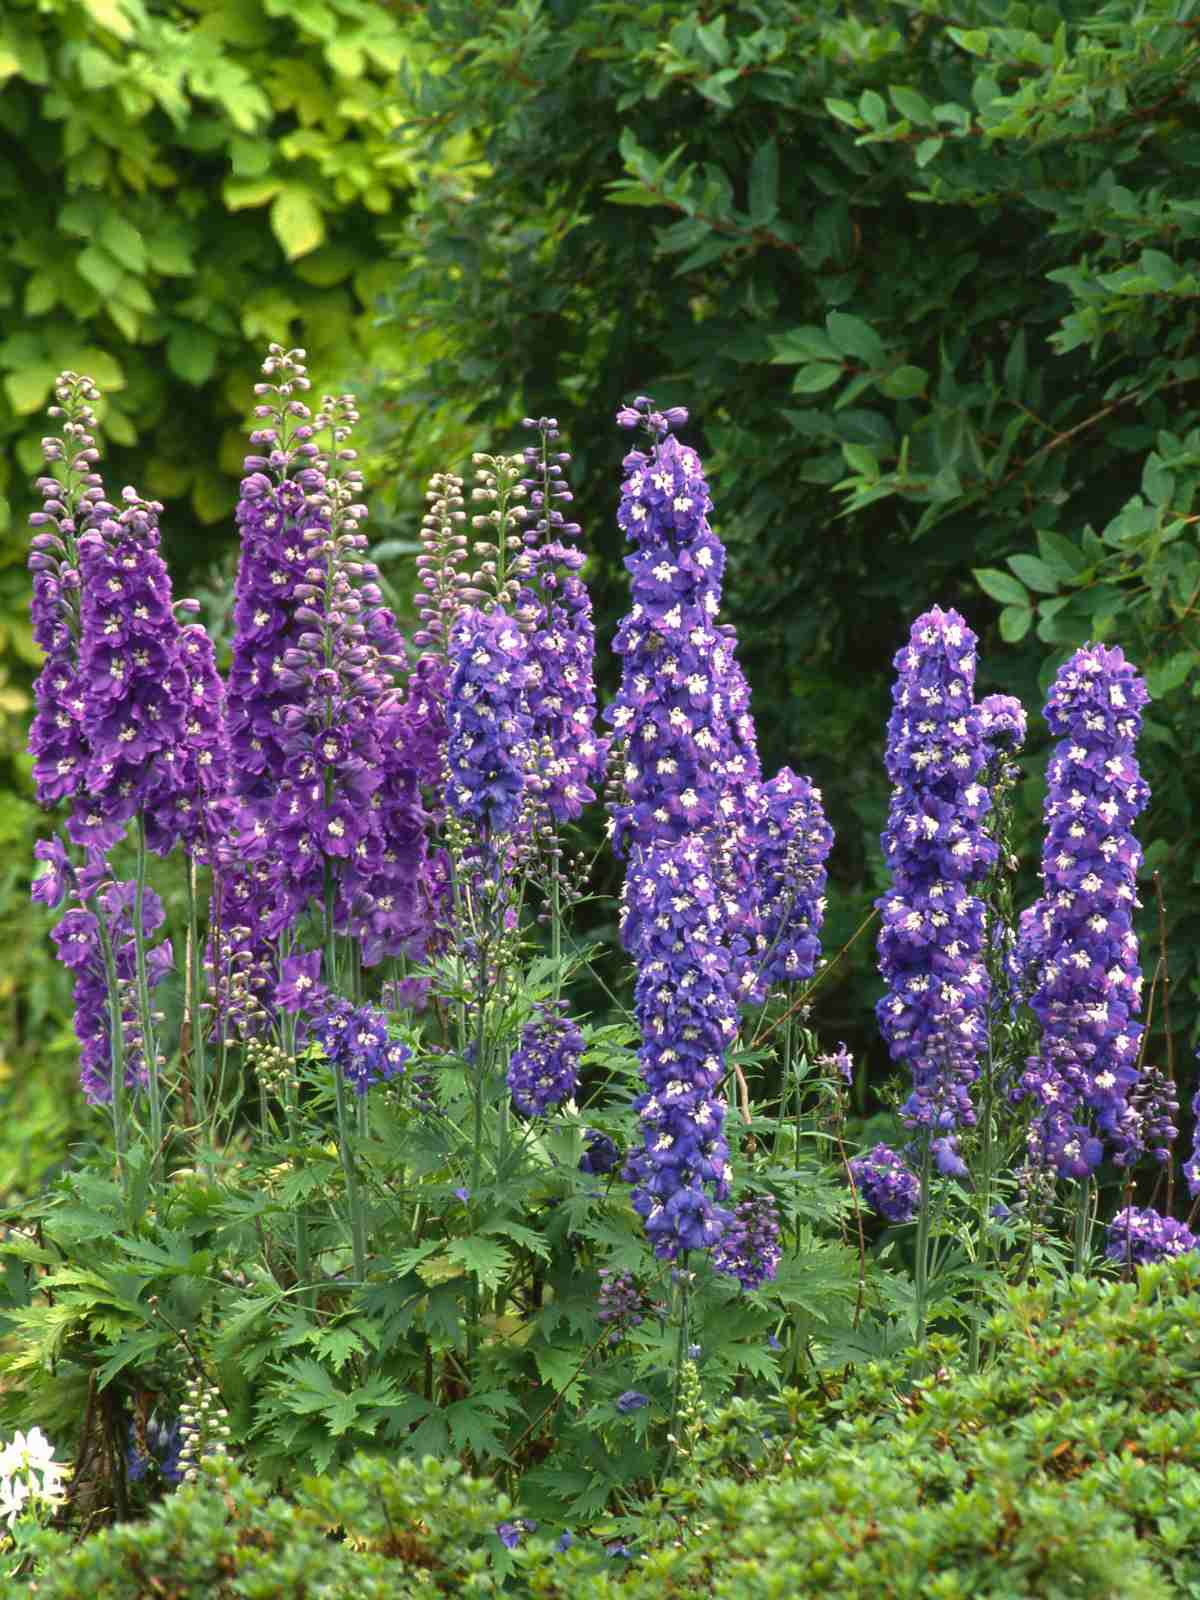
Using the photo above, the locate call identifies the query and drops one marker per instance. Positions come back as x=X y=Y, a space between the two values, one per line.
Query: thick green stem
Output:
x=358 y=1227
x=1083 y=1229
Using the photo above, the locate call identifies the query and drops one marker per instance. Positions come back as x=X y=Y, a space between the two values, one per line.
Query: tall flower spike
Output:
x=73 y=503
x=933 y=1015
x=682 y=751
x=556 y=610
x=490 y=725
x=687 y=1017
x=1077 y=942
x=135 y=687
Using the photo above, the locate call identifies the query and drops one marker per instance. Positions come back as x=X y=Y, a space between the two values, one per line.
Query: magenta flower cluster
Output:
x=934 y=1014
x=1139 y=1234
x=887 y=1184
x=544 y=1068
x=1078 y=943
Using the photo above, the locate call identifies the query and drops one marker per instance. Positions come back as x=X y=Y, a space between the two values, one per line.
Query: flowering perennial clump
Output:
x=1078 y=944
x=933 y=1015
x=887 y=1184
x=1139 y=1234
x=544 y=1069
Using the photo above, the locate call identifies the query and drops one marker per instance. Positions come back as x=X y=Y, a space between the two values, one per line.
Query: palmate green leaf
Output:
x=484 y=1258
x=137 y=1346
x=520 y=1234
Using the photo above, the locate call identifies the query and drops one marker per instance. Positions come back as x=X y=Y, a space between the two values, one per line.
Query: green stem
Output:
x=1083 y=1229
x=199 y=1063
x=116 y=1037
x=358 y=1229
x=921 y=1265
x=149 y=1043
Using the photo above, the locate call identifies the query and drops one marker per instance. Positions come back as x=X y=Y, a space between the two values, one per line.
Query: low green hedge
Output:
x=1070 y=1468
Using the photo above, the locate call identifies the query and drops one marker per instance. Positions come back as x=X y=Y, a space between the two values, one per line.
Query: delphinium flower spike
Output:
x=934 y=1013
x=544 y=1069
x=1078 y=943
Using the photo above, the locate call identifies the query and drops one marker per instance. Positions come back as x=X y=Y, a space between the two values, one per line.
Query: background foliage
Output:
x=924 y=282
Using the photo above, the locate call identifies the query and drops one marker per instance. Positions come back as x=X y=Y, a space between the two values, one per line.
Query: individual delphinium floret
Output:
x=1139 y=1234
x=102 y=913
x=687 y=1016
x=931 y=940
x=600 y=1155
x=555 y=609
x=544 y=1068
x=749 y=1249
x=1078 y=944
x=887 y=1184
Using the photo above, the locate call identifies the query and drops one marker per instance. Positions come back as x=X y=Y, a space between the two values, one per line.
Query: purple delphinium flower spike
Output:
x=489 y=722
x=544 y=1069
x=933 y=1015
x=1140 y=1234
x=198 y=813
x=556 y=610
x=749 y=1249
x=135 y=687
x=687 y=1017
x=72 y=504
x=791 y=840
x=886 y=1183
x=78 y=939
x=1077 y=942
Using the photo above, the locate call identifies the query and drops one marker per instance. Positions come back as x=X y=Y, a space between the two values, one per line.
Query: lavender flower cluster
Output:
x=749 y=1249
x=544 y=1069
x=1139 y=1235
x=355 y=1039
x=488 y=750
x=1078 y=943
x=887 y=1184
x=934 y=1013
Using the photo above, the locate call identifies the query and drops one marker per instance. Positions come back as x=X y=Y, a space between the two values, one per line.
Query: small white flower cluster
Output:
x=204 y=1425
x=29 y=1475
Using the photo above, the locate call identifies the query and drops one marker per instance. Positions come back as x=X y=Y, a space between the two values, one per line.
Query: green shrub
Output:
x=1070 y=1468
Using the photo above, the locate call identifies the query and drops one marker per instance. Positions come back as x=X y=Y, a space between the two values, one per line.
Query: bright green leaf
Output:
x=192 y=353
x=297 y=221
x=872 y=109
x=1034 y=572
x=927 y=149
x=1015 y=623
x=912 y=105
x=816 y=378
x=123 y=242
